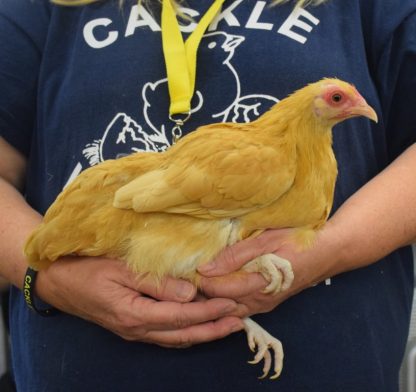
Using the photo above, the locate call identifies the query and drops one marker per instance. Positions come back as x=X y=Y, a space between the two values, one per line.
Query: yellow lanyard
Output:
x=180 y=57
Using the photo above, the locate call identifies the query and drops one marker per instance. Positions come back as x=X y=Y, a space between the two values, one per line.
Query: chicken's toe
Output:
x=276 y=270
x=266 y=344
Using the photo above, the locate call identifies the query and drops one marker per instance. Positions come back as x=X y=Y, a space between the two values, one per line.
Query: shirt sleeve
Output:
x=23 y=26
x=397 y=86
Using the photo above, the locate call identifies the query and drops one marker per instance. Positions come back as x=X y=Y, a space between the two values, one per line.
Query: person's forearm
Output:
x=379 y=218
x=18 y=219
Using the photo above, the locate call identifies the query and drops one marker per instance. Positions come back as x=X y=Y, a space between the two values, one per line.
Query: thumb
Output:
x=232 y=258
x=168 y=289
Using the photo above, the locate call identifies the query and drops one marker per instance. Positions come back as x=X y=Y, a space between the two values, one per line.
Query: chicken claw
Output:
x=276 y=270
x=265 y=343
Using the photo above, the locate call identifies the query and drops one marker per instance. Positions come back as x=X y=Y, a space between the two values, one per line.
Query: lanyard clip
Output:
x=179 y=122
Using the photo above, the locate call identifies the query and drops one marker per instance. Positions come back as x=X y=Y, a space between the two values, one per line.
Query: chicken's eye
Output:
x=337 y=97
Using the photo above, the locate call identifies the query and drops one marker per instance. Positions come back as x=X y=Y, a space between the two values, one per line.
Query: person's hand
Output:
x=220 y=278
x=105 y=292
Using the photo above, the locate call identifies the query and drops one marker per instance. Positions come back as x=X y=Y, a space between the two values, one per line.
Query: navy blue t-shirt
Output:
x=81 y=85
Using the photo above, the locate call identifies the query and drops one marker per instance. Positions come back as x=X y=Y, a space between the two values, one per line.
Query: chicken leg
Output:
x=278 y=272
x=259 y=339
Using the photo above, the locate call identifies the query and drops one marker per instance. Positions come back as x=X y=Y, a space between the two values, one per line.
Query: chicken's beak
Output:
x=362 y=108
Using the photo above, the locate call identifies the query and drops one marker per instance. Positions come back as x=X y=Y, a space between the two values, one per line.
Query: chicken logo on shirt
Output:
x=124 y=135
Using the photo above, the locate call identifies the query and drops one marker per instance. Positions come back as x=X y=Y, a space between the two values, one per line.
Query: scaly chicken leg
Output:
x=279 y=273
x=260 y=338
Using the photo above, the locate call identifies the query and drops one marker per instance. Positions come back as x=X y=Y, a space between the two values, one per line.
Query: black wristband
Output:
x=28 y=288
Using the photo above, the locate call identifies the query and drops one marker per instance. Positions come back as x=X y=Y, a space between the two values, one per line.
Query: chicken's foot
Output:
x=259 y=339
x=276 y=270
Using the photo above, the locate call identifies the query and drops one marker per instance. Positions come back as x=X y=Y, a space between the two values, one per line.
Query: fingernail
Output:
x=236 y=327
x=229 y=309
x=206 y=267
x=184 y=290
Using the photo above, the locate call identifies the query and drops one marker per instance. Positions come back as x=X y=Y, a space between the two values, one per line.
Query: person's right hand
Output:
x=107 y=293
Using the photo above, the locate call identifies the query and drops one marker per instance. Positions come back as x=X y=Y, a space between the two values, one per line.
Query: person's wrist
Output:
x=30 y=295
x=41 y=284
x=332 y=249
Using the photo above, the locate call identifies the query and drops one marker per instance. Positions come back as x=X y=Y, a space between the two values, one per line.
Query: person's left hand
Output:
x=220 y=278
